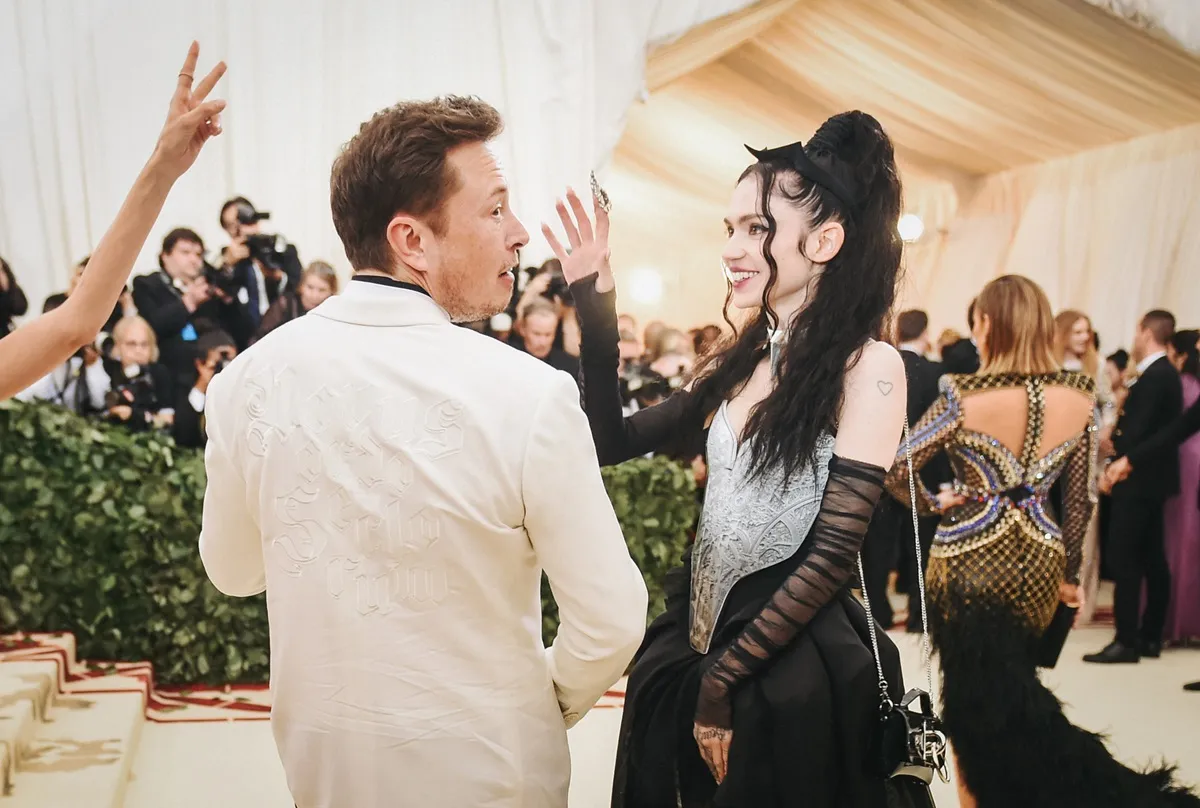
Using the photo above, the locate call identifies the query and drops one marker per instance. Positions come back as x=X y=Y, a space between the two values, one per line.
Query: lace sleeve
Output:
x=1080 y=495
x=929 y=436
x=618 y=437
x=850 y=496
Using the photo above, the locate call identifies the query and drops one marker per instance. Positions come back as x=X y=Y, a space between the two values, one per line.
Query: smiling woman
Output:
x=758 y=682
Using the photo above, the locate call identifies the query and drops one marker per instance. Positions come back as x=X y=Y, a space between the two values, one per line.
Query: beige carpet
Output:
x=1142 y=708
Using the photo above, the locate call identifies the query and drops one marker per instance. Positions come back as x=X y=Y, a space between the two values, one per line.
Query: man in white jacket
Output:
x=397 y=485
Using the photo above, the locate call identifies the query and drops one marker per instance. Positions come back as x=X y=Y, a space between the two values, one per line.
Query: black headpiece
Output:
x=795 y=156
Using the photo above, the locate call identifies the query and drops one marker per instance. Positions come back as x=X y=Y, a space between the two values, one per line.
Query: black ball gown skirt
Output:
x=802 y=730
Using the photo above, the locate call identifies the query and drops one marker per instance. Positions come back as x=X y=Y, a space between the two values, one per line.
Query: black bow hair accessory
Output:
x=795 y=156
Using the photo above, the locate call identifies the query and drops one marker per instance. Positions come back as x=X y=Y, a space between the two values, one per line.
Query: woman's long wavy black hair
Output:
x=850 y=297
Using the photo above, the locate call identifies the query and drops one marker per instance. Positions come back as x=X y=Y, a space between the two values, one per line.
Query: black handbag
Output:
x=909 y=745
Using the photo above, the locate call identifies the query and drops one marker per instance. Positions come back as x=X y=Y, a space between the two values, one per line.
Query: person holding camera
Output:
x=180 y=303
x=212 y=353
x=262 y=266
x=539 y=324
x=140 y=389
x=53 y=338
x=12 y=299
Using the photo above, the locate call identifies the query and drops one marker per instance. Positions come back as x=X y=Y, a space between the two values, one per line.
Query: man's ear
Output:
x=410 y=240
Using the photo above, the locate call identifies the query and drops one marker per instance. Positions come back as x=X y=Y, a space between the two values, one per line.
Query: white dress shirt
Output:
x=1149 y=360
x=59 y=385
x=397 y=485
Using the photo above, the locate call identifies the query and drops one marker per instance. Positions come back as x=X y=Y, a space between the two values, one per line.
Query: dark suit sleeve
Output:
x=617 y=437
x=187 y=429
x=1156 y=400
x=1168 y=438
x=13 y=303
x=160 y=307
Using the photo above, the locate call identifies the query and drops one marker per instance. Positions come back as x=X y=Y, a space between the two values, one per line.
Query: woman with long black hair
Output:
x=757 y=686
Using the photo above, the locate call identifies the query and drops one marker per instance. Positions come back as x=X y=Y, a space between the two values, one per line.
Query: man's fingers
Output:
x=208 y=82
x=581 y=216
x=568 y=225
x=553 y=241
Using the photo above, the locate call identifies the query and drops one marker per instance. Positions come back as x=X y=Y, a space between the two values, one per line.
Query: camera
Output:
x=221 y=280
x=221 y=363
x=137 y=391
x=268 y=249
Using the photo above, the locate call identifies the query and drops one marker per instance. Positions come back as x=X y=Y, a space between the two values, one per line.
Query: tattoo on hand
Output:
x=713 y=734
x=884 y=387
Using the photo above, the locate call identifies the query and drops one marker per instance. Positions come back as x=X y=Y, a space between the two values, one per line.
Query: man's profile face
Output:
x=538 y=331
x=470 y=273
x=184 y=260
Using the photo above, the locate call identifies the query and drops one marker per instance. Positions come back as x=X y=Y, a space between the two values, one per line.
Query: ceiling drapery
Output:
x=86 y=86
x=966 y=90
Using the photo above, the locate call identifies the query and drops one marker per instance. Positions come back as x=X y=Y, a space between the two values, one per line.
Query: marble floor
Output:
x=1142 y=708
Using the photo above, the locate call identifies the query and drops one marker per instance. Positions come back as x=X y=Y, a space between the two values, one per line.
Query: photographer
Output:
x=537 y=327
x=212 y=352
x=180 y=304
x=547 y=283
x=140 y=394
x=261 y=265
x=80 y=384
x=12 y=299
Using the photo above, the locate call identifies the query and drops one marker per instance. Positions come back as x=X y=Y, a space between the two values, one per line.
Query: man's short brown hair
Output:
x=1161 y=325
x=910 y=325
x=397 y=163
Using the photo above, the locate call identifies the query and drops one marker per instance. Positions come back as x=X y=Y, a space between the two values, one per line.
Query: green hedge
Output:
x=98 y=532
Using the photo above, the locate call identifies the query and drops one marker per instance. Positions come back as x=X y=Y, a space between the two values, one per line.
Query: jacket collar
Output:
x=378 y=305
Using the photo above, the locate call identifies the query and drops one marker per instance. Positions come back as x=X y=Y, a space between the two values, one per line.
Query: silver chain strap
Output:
x=926 y=646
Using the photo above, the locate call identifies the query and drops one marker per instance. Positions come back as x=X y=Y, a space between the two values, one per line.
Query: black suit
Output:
x=961 y=357
x=161 y=304
x=1135 y=530
x=12 y=302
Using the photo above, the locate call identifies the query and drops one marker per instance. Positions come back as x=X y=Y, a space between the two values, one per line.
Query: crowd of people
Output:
x=402 y=561
x=177 y=326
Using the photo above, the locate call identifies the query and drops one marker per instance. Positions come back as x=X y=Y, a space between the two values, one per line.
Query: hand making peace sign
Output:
x=191 y=120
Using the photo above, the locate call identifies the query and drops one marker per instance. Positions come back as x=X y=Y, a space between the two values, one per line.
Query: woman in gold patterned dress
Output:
x=1002 y=561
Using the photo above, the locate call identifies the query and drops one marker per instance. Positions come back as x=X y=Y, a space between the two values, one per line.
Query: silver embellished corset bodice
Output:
x=748 y=524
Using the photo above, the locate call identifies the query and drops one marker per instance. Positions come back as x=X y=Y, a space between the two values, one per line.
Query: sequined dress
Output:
x=994 y=577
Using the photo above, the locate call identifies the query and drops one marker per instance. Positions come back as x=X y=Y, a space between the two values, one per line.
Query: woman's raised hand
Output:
x=191 y=120
x=589 y=253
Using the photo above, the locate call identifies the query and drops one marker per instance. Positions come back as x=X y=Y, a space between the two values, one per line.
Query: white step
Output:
x=81 y=755
x=26 y=692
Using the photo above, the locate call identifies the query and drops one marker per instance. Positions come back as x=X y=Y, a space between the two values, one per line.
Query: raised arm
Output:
x=928 y=437
x=618 y=437
x=869 y=429
x=1080 y=494
x=586 y=267
x=33 y=350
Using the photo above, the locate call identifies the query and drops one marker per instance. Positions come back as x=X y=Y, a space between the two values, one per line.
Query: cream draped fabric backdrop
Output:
x=1112 y=232
x=84 y=86
x=1046 y=137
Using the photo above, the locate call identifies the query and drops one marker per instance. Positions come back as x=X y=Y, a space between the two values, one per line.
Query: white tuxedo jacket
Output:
x=397 y=485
